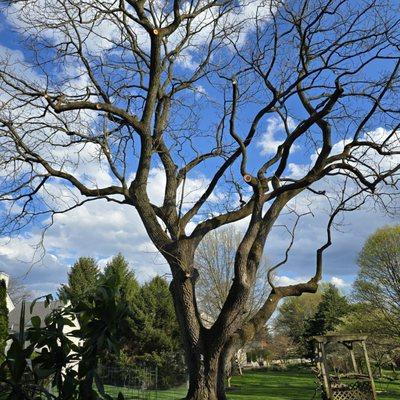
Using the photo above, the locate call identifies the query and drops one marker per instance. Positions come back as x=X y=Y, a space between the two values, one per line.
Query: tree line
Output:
x=123 y=322
x=150 y=334
x=107 y=320
x=372 y=306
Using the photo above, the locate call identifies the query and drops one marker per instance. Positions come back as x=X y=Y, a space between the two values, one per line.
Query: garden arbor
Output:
x=360 y=386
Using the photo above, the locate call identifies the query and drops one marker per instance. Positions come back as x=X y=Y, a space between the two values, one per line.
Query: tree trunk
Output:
x=208 y=351
x=202 y=356
x=203 y=379
x=225 y=368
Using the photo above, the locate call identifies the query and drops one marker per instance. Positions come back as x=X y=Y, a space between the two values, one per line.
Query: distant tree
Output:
x=83 y=280
x=378 y=281
x=215 y=261
x=102 y=320
x=260 y=348
x=293 y=316
x=331 y=310
x=382 y=345
x=281 y=347
x=3 y=319
x=118 y=273
x=17 y=291
x=161 y=329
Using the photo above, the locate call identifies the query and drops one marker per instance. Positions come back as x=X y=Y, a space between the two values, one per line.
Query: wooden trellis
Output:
x=360 y=386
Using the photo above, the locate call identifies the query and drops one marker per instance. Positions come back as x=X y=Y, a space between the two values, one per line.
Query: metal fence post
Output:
x=156 y=381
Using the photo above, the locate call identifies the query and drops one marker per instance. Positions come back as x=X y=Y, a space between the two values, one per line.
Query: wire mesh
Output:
x=140 y=383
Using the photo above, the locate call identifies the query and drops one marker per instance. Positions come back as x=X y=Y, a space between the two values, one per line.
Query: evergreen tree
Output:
x=118 y=276
x=159 y=339
x=83 y=280
x=161 y=330
x=3 y=319
x=332 y=308
x=118 y=273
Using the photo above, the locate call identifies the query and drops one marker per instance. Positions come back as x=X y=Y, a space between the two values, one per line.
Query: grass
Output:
x=273 y=385
x=293 y=384
x=172 y=394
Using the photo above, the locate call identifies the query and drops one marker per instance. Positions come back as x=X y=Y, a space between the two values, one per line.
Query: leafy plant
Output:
x=57 y=358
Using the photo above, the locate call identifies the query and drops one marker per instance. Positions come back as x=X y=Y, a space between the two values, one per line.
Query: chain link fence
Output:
x=141 y=382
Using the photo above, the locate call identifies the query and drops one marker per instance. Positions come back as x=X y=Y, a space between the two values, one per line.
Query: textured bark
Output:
x=224 y=368
x=203 y=381
x=206 y=350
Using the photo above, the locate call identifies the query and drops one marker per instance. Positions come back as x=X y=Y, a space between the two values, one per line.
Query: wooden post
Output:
x=353 y=360
x=371 y=377
x=350 y=347
x=323 y=368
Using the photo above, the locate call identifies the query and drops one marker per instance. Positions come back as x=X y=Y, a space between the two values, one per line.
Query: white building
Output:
x=39 y=309
x=4 y=277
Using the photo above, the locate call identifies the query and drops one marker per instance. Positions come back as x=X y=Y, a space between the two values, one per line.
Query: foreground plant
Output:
x=58 y=358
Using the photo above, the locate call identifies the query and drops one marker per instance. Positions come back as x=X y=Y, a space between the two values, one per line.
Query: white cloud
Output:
x=193 y=188
x=52 y=22
x=239 y=22
x=286 y=280
x=275 y=134
x=99 y=229
x=200 y=91
x=340 y=283
x=366 y=158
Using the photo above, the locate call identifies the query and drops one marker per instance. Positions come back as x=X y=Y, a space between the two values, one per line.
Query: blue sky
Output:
x=102 y=229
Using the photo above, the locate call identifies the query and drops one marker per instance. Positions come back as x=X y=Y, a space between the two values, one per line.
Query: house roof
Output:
x=39 y=309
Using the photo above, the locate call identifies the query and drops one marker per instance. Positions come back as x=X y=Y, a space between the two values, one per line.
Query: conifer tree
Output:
x=332 y=308
x=159 y=339
x=118 y=273
x=82 y=281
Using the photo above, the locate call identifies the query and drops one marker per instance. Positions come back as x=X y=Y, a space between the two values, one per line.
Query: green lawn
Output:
x=294 y=384
x=288 y=385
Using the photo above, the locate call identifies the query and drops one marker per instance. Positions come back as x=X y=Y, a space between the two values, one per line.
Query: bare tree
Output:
x=215 y=260
x=18 y=292
x=186 y=86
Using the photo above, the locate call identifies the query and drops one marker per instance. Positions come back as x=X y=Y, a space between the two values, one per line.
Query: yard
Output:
x=288 y=385
x=267 y=385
